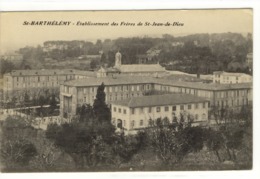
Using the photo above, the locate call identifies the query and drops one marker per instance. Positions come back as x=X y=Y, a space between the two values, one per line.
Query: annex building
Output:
x=140 y=112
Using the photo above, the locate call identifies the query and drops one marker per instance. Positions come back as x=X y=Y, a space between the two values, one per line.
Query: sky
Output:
x=14 y=35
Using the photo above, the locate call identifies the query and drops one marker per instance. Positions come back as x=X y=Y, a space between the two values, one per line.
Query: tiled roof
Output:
x=202 y=86
x=141 y=68
x=121 y=80
x=49 y=72
x=109 y=81
x=160 y=100
x=86 y=73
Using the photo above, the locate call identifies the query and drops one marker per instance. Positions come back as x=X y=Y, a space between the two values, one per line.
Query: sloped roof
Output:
x=85 y=73
x=49 y=72
x=108 y=81
x=123 y=80
x=141 y=68
x=160 y=100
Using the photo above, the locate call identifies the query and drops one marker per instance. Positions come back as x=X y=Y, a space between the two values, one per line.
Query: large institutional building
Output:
x=139 y=112
x=78 y=92
x=126 y=85
x=19 y=81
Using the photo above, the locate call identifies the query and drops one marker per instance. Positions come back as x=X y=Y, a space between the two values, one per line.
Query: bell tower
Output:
x=118 y=61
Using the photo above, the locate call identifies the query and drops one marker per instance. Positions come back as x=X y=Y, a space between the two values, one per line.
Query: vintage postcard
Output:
x=146 y=90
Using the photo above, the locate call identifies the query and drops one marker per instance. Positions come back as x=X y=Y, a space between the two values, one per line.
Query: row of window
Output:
x=165 y=108
x=201 y=93
x=234 y=93
x=43 y=78
x=232 y=102
x=119 y=88
x=24 y=85
x=119 y=110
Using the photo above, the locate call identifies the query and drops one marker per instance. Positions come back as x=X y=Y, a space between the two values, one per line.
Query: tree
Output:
x=171 y=145
x=100 y=108
x=87 y=144
x=124 y=148
x=85 y=113
x=17 y=150
x=53 y=103
x=6 y=67
x=93 y=64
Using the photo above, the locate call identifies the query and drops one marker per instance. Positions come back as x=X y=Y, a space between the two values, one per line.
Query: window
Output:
x=204 y=105
x=141 y=110
x=133 y=123
x=166 y=108
x=174 y=108
x=189 y=106
x=196 y=117
x=150 y=109
x=158 y=109
x=114 y=109
x=124 y=111
x=119 y=110
x=133 y=110
x=204 y=116
x=196 y=106
x=141 y=122
x=182 y=107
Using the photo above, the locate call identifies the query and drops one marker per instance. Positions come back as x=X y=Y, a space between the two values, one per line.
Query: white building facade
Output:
x=231 y=78
x=140 y=112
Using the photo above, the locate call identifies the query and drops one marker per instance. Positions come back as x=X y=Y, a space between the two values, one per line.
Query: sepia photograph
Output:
x=126 y=90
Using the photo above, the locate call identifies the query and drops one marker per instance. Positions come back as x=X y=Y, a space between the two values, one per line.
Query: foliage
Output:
x=6 y=67
x=16 y=147
x=17 y=153
x=100 y=108
x=84 y=142
x=172 y=143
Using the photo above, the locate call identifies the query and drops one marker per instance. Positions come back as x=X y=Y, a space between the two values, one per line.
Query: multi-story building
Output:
x=141 y=112
x=19 y=81
x=229 y=78
x=77 y=92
